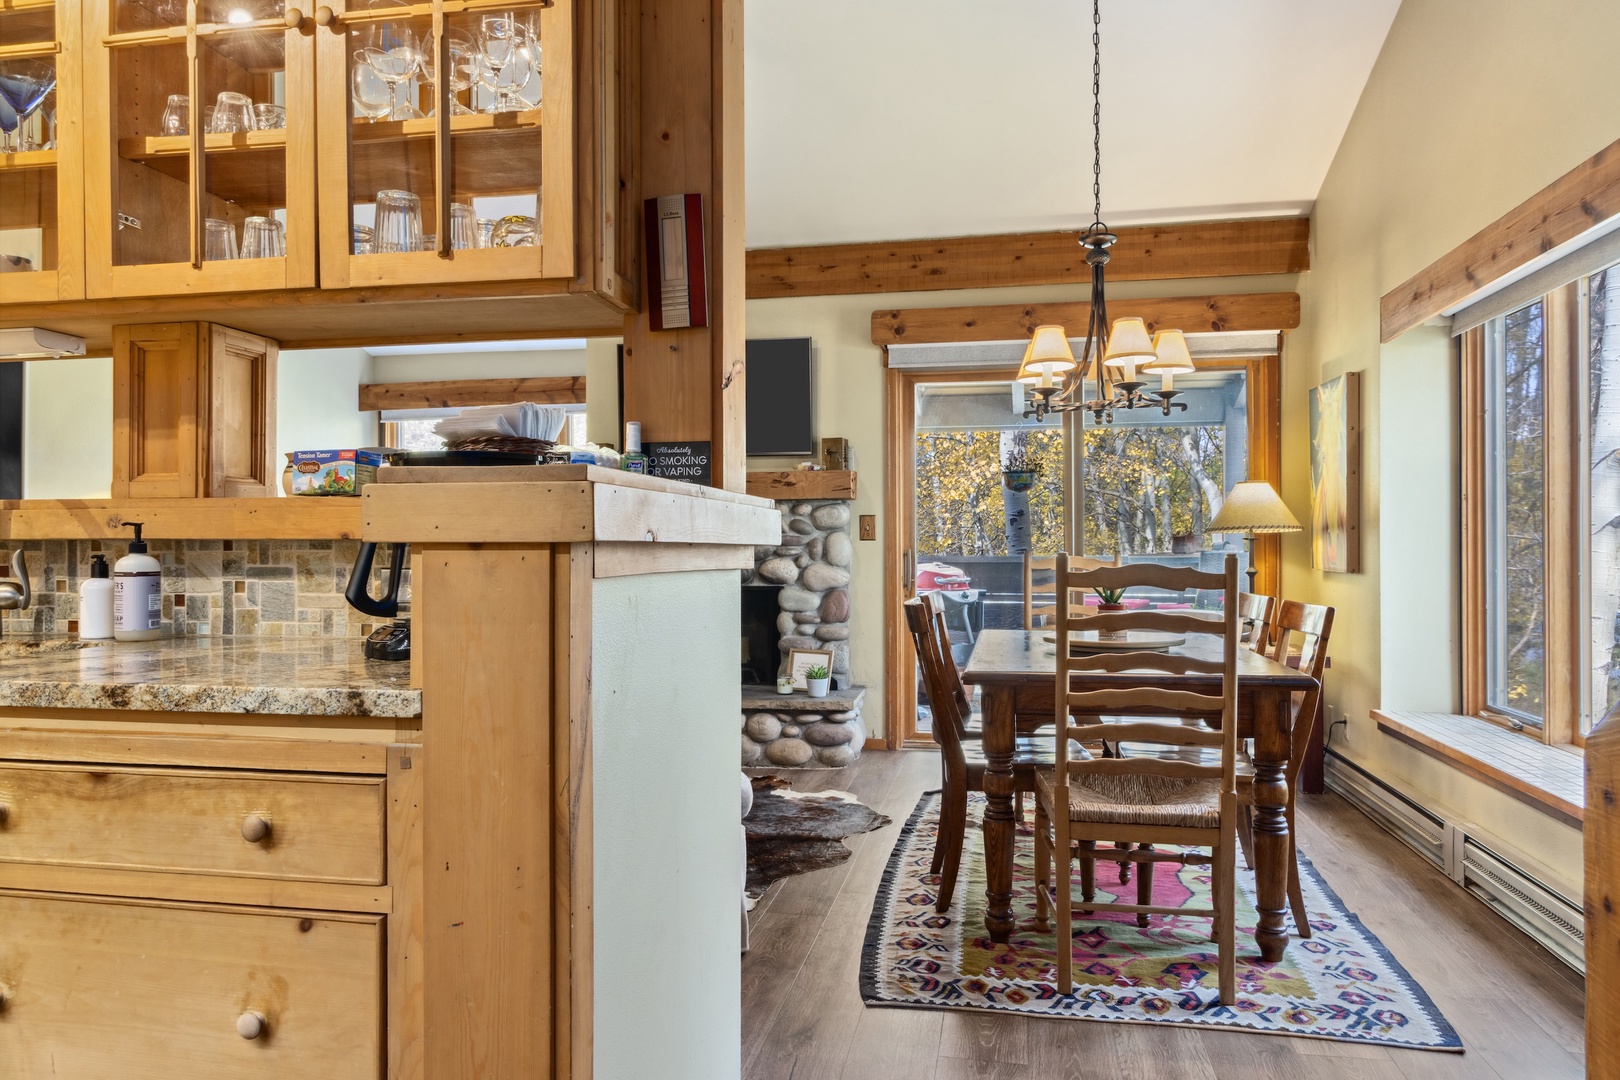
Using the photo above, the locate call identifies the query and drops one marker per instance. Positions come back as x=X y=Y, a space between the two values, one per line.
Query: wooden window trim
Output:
x=900 y=432
x=1563 y=511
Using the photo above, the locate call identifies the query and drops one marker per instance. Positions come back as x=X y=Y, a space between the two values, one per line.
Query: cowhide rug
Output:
x=794 y=832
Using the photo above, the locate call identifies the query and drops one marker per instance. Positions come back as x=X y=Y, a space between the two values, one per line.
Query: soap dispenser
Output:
x=137 y=592
x=96 y=602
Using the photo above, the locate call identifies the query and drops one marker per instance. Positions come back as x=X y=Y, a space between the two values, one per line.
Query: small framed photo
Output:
x=802 y=660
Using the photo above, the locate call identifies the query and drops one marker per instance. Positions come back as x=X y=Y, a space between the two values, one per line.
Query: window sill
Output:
x=1549 y=778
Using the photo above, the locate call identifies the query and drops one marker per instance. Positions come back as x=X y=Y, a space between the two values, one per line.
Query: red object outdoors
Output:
x=938 y=576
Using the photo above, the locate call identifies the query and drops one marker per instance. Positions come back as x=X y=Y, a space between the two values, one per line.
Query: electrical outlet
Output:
x=868 y=526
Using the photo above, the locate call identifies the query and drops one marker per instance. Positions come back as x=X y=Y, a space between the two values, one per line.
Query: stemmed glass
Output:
x=463 y=63
x=505 y=69
x=24 y=85
x=395 y=58
x=373 y=96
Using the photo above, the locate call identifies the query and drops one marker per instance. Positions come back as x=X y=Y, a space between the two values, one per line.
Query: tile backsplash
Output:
x=273 y=588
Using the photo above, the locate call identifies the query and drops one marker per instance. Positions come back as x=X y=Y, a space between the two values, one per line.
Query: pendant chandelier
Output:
x=1114 y=357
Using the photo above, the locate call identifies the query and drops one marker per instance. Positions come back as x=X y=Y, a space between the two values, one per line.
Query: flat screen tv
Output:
x=779 y=417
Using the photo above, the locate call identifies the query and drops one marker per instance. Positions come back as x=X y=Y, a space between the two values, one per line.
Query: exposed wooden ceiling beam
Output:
x=1145 y=253
x=465 y=393
x=1587 y=195
x=1010 y=322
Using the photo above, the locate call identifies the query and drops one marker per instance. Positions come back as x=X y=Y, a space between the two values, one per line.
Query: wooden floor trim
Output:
x=1549 y=778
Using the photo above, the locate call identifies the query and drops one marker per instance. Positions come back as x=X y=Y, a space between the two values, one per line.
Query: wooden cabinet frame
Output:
x=105 y=153
x=553 y=257
x=20 y=172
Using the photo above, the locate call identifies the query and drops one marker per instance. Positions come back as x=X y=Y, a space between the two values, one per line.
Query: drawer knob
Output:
x=256 y=828
x=294 y=19
x=325 y=16
x=250 y=1025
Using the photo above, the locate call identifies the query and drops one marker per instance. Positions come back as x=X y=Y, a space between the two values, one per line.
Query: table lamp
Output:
x=1254 y=509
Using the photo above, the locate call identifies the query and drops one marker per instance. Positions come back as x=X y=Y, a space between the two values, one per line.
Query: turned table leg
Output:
x=1000 y=735
x=1272 y=849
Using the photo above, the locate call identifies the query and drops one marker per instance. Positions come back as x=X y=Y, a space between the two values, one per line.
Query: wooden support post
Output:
x=688 y=384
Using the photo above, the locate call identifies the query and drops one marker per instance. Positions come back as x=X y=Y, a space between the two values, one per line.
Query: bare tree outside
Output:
x=1604 y=507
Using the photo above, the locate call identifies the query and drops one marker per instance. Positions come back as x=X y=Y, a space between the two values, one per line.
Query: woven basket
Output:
x=509 y=443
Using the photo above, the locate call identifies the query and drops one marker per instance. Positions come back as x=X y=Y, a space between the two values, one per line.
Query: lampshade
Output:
x=1170 y=355
x=1128 y=344
x=1254 y=508
x=1046 y=355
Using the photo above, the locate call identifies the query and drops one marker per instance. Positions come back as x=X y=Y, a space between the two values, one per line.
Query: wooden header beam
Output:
x=1587 y=195
x=1010 y=322
x=1145 y=253
x=465 y=393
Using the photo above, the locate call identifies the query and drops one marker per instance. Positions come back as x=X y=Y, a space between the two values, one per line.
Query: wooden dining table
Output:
x=1016 y=671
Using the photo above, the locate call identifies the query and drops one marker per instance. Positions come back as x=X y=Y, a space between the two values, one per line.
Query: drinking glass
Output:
x=373 y=96
x=505 y=68
x=463 y=227
x=177 y=115
x=208 y=118
x=263 y=238
x=463 y=62
x=399 y=221
x=396 y=58
x=268 y=117
x=430 y=242
x=24 y=85
x=219 y=240
x=514 y=230
x=361 y=238
x=233 y=112
x=486 y=233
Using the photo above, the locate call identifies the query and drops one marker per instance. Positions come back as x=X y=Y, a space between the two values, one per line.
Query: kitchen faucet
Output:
x=16 y=595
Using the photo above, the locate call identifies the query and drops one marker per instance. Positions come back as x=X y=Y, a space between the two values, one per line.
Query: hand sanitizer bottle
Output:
x=633 y=460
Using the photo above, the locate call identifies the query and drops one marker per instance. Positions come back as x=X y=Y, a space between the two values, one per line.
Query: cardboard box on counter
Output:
x=334 y=472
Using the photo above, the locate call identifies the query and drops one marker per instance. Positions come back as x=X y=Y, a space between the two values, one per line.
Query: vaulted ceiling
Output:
x=896 y=119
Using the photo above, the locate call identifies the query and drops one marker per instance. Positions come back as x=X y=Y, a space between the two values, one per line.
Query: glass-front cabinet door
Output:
x=200 y=146
x=446 y=142
x=40 y=170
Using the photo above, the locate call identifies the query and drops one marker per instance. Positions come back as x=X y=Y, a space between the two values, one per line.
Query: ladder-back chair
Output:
x=1145 y=800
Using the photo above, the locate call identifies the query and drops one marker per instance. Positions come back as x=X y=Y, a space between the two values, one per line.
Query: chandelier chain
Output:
x=1096 y=108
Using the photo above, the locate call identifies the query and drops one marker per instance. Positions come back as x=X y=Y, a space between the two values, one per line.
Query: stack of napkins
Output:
x=520 y=420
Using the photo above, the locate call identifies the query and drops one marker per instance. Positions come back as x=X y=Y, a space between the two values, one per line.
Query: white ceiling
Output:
x=895 y=119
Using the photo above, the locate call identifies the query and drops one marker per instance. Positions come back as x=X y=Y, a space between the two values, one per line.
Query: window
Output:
x=1541 y=520
x=1515 y=510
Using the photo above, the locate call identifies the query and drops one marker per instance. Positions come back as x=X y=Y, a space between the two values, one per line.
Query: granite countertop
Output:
x=261 y=675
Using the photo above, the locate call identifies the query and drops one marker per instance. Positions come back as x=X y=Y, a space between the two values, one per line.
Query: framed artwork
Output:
x=802 y=660
x=1336 y=474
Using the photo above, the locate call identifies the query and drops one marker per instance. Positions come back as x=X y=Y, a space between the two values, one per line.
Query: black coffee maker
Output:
x=391 y=642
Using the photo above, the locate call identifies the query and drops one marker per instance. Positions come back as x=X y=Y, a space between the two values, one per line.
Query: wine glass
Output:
x=463 y=61
x=396 y=58
x=373 y=97
x=505 y=69
x=24 y=85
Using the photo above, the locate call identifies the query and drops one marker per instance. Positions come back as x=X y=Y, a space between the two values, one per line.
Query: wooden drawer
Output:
x=97 y=989
x=321 y=828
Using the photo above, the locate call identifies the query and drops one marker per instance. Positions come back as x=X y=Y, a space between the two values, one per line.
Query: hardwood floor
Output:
x=1518 y=1010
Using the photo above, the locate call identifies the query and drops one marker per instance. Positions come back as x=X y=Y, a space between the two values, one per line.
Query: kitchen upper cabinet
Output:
x=447 y=149
x=199 y=128
x=41 y=245
x=327 y=174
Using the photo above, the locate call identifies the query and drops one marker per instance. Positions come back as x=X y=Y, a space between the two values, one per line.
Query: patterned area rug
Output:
x=1341 y=983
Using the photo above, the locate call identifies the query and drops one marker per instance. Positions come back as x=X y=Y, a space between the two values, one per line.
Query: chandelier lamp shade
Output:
x=1047 y=355
x=1114 y=354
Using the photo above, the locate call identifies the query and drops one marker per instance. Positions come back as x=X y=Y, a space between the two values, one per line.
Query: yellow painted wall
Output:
x=1473 y=106
x=848 y=386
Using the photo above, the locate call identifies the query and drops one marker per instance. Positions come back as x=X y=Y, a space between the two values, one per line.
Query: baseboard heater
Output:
x=1521 y=898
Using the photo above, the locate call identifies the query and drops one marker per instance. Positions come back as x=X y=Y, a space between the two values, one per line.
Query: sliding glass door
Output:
x=984 y=485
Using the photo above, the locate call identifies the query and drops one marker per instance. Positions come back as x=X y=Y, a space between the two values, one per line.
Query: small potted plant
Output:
x=1109 y=600
x=1018 y=472
x=816 y=680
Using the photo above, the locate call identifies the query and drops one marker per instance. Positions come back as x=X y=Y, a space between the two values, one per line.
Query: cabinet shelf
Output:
x=803 y=484
x=28 y=161
x=399 y=154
